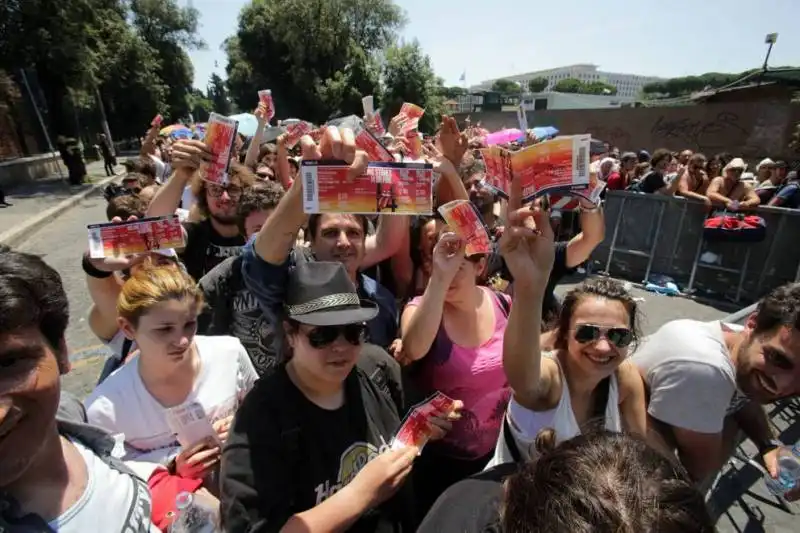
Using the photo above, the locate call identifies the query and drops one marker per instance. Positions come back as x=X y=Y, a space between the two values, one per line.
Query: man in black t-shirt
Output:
x=654 y=182
x=217 y=237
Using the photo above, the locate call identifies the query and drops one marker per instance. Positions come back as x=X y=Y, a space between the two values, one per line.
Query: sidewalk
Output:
x=37 y=203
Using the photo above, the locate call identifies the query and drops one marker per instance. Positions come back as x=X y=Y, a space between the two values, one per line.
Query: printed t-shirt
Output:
x=789 y=196
x=286 y=455
x=112 y=502
x=205 y=248
x=690 y=376
x=122 y=404
x=232 y=309
x=473 y=375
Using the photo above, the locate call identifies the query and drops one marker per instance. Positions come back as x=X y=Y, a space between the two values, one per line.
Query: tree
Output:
x=169 y=29
x=537 y=85
x=217 y=94
x=686 y=85
x=201 y=106
x=568 y=85
x=408 y=77
x=506 y=86
x=452 y=92
x=598 y=87
x=309 y=77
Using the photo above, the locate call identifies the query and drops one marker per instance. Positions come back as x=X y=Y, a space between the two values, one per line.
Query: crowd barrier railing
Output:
x=655 y=234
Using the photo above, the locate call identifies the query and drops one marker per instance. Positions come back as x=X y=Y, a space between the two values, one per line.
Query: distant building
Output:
x=492 y=101
x=628 y=85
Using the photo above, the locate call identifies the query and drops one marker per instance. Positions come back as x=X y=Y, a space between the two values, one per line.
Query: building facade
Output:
x=628 y=85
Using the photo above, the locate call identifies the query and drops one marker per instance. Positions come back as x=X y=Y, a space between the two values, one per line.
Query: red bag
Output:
x=734 y=227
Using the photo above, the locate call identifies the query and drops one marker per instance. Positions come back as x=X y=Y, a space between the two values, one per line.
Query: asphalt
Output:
x=740 y=501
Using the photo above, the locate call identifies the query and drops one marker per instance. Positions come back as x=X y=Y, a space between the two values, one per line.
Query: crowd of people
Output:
x=294 y=345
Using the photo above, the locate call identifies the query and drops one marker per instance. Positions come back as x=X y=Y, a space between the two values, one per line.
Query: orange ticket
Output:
x=409 y=116
x=295 y=132
x=265 y=97
x=375 y=150
x=385 y=188
x=560 y=164
x=114 y=239
x=220 y=138
x=465 y=221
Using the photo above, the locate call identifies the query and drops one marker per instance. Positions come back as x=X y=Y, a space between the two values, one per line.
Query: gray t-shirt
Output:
x=690 y=376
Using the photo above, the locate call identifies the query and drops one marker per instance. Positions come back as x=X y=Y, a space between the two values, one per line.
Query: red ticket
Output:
x=465 y=221
x=295 y=132
x=111 y=239
x=374 y=124
x=409 y=116
x=220 y=138
x=560 y=164
x=373 y=147
x=498 y=169
x=386 y=188
x=157 y=120
x=265 y=97
x=415 y=429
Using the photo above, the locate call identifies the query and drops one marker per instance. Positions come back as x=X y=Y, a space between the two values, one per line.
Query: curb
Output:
x=17 y=234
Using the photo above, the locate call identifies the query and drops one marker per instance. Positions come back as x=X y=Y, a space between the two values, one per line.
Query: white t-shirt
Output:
x=187 y=198
x=112 y=502
x=123 y=406
x=689 y=373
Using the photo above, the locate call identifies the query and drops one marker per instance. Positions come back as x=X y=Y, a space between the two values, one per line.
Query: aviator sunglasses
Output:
x=619 y=337
x=322 y=336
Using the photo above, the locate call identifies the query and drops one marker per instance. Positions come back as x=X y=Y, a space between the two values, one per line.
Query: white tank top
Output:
x=526 y=424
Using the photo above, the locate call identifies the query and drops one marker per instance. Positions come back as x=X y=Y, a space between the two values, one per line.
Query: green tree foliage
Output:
x=506 y=86
x=130 y=52
x=317 y=56
x=408 y=77
x=201 y=106
x=452 y=92
x=576 y=86
x=218 y=95
x=537 y=85
x=169 y=29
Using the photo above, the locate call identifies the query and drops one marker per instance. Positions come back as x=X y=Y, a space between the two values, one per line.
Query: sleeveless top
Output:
x=526 y=424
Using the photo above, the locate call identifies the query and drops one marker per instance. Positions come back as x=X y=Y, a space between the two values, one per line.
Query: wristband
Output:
x=92 y=271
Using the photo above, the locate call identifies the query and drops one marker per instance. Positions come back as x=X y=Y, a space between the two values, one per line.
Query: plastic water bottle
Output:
x=192 y=517
x=788 y=471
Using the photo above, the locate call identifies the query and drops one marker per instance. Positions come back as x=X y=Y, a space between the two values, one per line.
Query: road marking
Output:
x=89 y=354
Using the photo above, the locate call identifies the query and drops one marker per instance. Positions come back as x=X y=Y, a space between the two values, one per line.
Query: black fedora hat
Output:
x=321 y=294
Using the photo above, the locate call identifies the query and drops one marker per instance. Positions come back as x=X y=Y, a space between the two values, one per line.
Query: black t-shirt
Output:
x=205 y=248
x=286 y=455
x=550 y=305
x=652 y=182
x=470 y=506
x=231 y=309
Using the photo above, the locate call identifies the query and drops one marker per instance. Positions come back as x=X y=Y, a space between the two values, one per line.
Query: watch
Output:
x=768 y=446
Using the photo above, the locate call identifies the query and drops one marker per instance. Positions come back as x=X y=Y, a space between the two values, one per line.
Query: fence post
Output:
x=769 y=254
x=614 y=238
x=655 y=242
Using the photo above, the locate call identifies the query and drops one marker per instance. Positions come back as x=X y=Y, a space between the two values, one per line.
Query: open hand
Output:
x=448 y=256
x=196 y=461
x=336 y=143
x=382 y=477
x=189 y=154
x=453 y=143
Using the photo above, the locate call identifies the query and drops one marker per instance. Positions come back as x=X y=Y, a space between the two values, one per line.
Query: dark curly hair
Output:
x=263 y=196
x=781 y=307
x=603 y=482
x=607 y=288
x=239 y=175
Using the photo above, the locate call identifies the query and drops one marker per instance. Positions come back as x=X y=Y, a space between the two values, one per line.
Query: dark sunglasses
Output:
x=619 y=337
x=322 y=336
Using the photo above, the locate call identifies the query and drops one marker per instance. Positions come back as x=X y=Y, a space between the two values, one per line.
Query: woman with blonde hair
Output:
x=174 y=401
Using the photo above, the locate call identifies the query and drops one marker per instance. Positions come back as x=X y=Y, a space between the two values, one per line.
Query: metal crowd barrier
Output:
x=655 y=234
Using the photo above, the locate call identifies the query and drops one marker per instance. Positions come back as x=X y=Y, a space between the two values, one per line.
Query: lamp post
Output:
x=770 y=39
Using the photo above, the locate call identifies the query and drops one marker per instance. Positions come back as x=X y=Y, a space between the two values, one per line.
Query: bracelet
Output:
x=92 y=271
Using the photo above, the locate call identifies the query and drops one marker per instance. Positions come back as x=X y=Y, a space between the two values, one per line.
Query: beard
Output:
x=224 y=219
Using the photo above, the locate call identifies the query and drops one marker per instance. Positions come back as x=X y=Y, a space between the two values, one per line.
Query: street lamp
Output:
x=770 y=39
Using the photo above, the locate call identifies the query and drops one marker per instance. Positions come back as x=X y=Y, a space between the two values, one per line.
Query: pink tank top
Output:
x=473 y=375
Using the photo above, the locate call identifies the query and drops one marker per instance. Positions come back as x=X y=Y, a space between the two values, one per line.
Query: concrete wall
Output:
x=28 y=169
x=751 y=130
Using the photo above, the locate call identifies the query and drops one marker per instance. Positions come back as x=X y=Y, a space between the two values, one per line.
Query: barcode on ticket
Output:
x=311 y=199
x=580 y=164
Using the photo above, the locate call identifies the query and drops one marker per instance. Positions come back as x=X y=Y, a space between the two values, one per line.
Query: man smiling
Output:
x=54 y=474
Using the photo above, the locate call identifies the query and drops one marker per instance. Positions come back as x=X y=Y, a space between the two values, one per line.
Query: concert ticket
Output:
x=498 y=170
x=385 y=188
x=265 y=97
x=114 y=239
x=190 y=424
x=408 y=117
x=157 y=120
x=317 y=134
x=415 y=429
x=376 y=151
x=368 y=103
x=220 y=138
x=560 y=164
x=465 y=221
x=295 y=132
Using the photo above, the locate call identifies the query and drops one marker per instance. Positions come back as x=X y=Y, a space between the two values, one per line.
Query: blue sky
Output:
x=489 y=39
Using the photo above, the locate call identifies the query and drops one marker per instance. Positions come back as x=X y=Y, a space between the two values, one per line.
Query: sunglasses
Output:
x=215 y=191
x=322 y=336
x=619 y=337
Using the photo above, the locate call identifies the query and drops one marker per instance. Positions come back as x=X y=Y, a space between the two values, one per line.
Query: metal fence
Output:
x=649 y=234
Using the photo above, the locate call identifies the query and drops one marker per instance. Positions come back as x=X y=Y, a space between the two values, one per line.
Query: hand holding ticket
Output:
x=220 y=138
x=421 y=424
x=464 y=219
x=114 y=239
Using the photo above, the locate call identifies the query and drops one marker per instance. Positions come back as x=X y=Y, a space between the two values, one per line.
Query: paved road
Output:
x=741 y=500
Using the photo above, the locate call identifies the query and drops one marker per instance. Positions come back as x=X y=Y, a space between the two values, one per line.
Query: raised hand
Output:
x=448 y=256
x=336 y=143
x=453 y=143
x=189 y=154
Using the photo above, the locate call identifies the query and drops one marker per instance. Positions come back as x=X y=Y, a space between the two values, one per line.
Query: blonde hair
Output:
x=153 y=284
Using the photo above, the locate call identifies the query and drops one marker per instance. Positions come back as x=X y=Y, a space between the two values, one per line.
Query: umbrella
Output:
x=544 y=132
x=248 y=123
x=503 y=136
x=200 y=130
x=175 y=129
